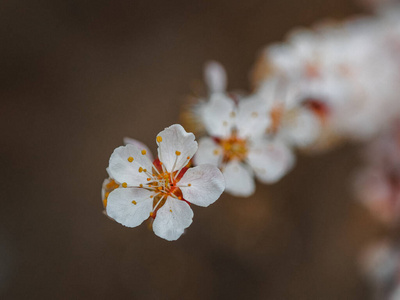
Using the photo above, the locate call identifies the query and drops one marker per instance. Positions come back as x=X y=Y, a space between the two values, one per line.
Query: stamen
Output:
x=130 y=159
x=184 y=165
x=173 y=167
x=134 y=202
x=189 y=184
x=124 y=184
x=140 y=169
x=141 y=185
x=159 y=139
x=155 y=207
x=144 y=152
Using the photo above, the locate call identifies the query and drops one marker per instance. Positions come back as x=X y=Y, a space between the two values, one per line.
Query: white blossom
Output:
x=237 y=142
x=163 y=189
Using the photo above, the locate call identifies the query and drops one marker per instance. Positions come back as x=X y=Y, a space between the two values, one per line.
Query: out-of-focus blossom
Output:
x=139 y=188
x=237 y=141
x=381 y=266
x=378 y=183
x=349 y=69
x=295 y=123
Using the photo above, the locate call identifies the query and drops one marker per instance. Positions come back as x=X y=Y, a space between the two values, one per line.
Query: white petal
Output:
x=209 y=152
x=175 y=138
x=206 y=185
x=218 y=115
x=252 y=117
x=121 y=208
x=238 y=179
x=172 y=219
x=124 y=171
x=139 y=145
x=215 y=77
x=270 y=160
x=300 y=130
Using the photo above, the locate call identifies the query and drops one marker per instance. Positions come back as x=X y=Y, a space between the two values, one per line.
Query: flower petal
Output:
x=139 y=145
x=270 y=160
x=301 y=129
x=202 y=185
x=173 y=140
x=129 y=207
x=218 y=115
x=209 y=152
x=238 y=179
x=215 y=77
x=124 y=170
x=252 y=118
x=172 y=219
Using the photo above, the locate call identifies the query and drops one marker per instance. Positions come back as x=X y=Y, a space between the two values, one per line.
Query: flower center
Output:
x=234 y=148
x=164 y=184
x=320 y=109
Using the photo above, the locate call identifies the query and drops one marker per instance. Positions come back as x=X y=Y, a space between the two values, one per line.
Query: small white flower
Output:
x=238 y=145
x=295 y=121
x=163 y=189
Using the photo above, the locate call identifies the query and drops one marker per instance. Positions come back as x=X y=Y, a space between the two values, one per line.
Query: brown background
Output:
x=76 y=77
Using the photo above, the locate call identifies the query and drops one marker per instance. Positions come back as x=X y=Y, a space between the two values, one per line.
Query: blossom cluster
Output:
x=332 y=83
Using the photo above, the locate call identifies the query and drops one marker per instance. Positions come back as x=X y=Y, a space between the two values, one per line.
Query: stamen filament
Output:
x=155 y=207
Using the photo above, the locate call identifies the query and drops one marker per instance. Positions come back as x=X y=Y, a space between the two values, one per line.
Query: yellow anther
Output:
x=144 y=170
x=233 y=114
x=177 y=153
x=144 y=152
x=227 y=146
x=130 y=159
x=189 y=184
x=170 y=210
x=140 y=185
x=254 y=114
x=159 y=139
x=124 y=184
x=148 y=179
x=134 y=202
x=151 y=196
x=188 y=157
x=140 y=169
x=152 y=214
x=216 y=152
x=159 y=188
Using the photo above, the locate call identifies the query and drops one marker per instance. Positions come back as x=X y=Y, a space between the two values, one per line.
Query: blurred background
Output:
x=77 y=77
